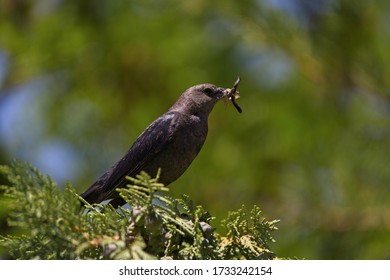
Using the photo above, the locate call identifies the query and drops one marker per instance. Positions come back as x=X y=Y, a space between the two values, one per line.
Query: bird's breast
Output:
x=188 y=137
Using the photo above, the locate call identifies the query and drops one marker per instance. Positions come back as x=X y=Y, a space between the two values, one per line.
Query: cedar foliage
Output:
x=55 y=225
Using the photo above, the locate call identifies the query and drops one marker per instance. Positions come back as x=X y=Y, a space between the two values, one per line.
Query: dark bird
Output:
x=171 y=143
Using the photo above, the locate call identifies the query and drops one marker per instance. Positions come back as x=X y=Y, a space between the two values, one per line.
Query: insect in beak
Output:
x=232 y=94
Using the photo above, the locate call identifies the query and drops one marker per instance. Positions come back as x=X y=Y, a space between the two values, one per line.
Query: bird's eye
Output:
x=208 y=91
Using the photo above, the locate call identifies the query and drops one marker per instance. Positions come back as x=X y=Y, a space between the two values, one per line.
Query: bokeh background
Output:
x=80 y=80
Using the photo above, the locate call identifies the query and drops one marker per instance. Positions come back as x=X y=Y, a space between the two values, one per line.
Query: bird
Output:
x=169 y=143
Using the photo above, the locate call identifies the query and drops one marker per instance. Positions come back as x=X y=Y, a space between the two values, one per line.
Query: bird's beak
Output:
x=221 y=93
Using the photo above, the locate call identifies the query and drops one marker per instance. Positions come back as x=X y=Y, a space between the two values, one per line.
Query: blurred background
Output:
x=80 y=80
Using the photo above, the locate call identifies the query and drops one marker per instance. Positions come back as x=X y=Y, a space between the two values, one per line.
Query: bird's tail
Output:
x=91 y=195
x=94 y=194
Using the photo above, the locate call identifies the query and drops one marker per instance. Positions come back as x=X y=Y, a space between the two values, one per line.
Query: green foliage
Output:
x=248 y=235
x=56 y=226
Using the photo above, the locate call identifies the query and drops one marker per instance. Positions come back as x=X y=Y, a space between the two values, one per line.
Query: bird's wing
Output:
x=148 y=144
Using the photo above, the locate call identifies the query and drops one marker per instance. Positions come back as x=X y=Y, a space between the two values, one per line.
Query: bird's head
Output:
x=200 y=99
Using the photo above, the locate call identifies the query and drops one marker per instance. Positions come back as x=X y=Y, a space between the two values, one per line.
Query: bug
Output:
x=233 y=95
